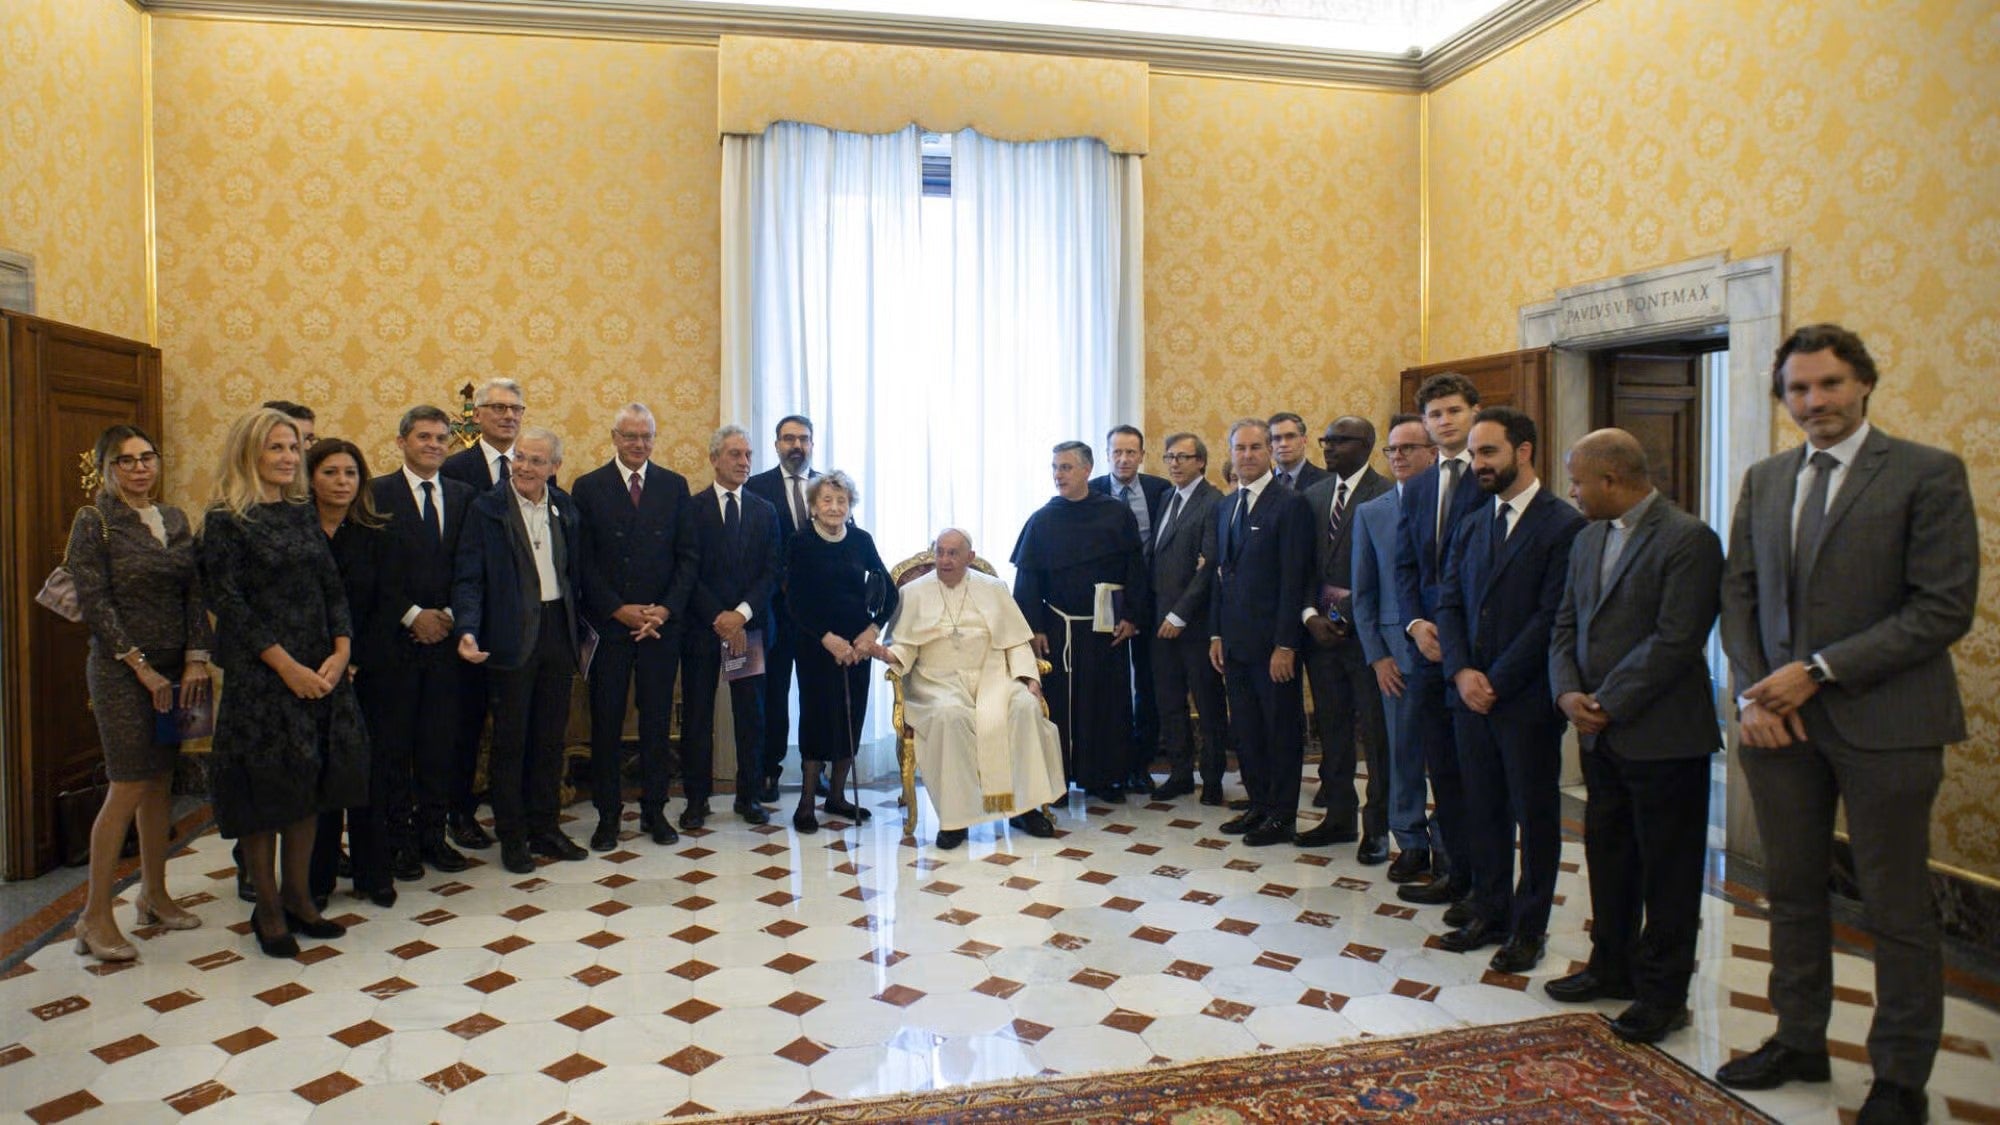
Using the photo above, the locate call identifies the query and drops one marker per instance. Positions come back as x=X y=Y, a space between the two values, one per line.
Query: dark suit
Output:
x=1306 y=475
x=780 y=653
x=1145 y=708
x=1893 y=585
x=1260 y=569
x=633 y=555
x=468 y=467
x=1181 y=587
x=532 y=646
x=1636 y=640
x=734 y=570
x=1419 y=572
x=1496 y=607
x=1346 y=701
x=414 y=770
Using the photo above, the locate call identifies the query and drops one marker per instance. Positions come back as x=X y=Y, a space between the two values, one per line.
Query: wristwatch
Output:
x=1816 y=672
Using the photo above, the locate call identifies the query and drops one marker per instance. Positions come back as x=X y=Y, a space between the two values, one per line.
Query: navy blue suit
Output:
x=633 y=555
x=1145 y=709
x=1497 y=606
x=1261 y=570
x=733 y=570
x=780 y=654
x=1419 y=569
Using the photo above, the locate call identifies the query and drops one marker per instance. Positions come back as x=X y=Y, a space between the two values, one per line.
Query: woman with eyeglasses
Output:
x=289 y=740
x=133 y=561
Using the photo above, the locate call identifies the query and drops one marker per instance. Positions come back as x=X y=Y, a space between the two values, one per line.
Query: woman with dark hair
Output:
x=289 y=740
x=839 y=596
x=337 y=476
x=132 y=558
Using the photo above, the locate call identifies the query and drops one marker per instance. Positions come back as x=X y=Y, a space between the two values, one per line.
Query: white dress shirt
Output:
x=416 y=484
x=541 y=542
x=722 y=509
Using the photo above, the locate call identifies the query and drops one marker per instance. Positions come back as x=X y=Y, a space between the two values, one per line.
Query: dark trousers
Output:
x=530 y=714
x=1888 y=795
x=475 y=701
x=1427 y=719
x=1511 y=768
x=701 y=670
x=1090 y=702
x=1181 y=669
x=1645 y=837
x=1348 y=706
x=780 y=657
x=1145 y=706
x=1269 y=722
x=413 y=765
x=620 y=670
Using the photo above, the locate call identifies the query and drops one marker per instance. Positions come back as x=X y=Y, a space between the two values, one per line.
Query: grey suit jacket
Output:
x=1374 y=571
x=1894 y=584
x=1180 y=585
x=1636 y=641
x=1335 y=554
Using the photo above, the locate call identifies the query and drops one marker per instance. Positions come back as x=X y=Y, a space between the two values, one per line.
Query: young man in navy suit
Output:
x=1146 y=495
x=1503 y=582
x=638 y=572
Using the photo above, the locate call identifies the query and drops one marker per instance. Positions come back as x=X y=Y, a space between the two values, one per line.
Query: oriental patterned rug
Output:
x=1567 y=1068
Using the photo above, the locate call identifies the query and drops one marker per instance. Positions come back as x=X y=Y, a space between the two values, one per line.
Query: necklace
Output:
x=953 y=617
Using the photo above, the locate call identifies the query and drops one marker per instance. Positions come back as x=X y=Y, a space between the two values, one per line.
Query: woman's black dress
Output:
x=839 y=588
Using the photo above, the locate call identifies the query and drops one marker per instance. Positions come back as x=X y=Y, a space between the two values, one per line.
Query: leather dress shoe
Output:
x=321 y=929
x=1473 y=935
x=406 y=865
x=1240 y=804
x=1645 y=1022
x=694 y=816
x=283 y=945
x=803 y=820
x=1373 y=850
x=1035 y=823
x=467 y=832
x=556 y=846
x=768 y=795
x=1238 y=825
x=1585 y=985
x=515 y=857
x=1460 y=912
x=1211 y=793
x=442 y=856
x=848 y=809
x=1177 y=785
x=1521 y=953
x=1270 y=830
x=605 y=837
x=752 y=812
x=1891 y=1103
x=949 y=838
x=1771 y=1066
x=1437 y=892
x=384 y=897
x=1327 y=833
x=656 y=824
x=1411 y=865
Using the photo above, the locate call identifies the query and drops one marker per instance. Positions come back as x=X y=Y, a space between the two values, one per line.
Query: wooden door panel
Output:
x=1655 y=394
x=1517 y=379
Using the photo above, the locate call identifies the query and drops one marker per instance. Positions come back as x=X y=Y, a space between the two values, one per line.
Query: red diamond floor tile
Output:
x=248 y=1039
x=457 y=1076
x=327 y=1087
x=474 y=1025
x=691 y=1060
x=796 y=1003
x=692 y=1011
x=199 y=1096
x=572 y=1068
x=124 y=1048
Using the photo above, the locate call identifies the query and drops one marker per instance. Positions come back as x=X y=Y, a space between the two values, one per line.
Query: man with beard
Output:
x=1504 y=575
x=783 y=486
x=1080 y=579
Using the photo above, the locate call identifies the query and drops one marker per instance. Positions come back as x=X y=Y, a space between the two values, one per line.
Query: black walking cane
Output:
x=875 y=591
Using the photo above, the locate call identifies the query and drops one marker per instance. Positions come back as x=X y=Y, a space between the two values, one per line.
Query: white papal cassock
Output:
x=983 y=745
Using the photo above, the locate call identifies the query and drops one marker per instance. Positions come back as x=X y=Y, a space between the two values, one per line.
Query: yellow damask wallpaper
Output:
x=361 y=219
x=1281 y=254
x=1862 y=137
x=72 y=173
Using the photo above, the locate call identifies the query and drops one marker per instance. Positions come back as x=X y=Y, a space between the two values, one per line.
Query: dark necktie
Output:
x=1500 y=528
x=637 y=490
x=1447 y=484
x=730 y=523
x=1805 y=544
x=1284 y=478
x=1167 y=521
x=1236 y=524
x=798 y=506
x=431 y=513
x=506 y=469
x=1338 y=516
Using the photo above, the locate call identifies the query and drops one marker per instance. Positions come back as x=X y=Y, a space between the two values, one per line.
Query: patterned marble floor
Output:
x=753 y=967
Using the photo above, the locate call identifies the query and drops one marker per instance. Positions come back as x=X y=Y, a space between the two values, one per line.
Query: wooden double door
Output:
x=60 y=386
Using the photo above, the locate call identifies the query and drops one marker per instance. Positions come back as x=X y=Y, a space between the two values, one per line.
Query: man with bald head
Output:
x=972 y=692
x=1627 y=667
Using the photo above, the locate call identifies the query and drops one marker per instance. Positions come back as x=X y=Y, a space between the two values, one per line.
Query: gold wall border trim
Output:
x=1423 y=228
x=692 y=22
x=151 y=230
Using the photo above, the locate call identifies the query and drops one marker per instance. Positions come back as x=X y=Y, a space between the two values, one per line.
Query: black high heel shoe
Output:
x=322 y=930
x=805 y=822
x=284 y=945
x=851 y=811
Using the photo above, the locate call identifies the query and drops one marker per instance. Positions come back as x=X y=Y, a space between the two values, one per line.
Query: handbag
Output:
x=58 y=592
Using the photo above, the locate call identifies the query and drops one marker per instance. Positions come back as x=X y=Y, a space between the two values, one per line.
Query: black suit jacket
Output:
x=496 y=596
x=1180 y=584
x=770 y=484
x=420 y=571
x=1155 y=489
x=1496 y=613
x=1334 y=554
x=1309 y=474
x=468 y=467
x=1260 y=580
x=1638 y=641
x=728 y=573
x=1419 y=559
x=634 y=556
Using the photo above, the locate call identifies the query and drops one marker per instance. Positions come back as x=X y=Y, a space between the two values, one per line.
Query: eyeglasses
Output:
x=1177 y=458
x=504 y=407
x=129 y=461
x=1340 y=439
x=1407 y=449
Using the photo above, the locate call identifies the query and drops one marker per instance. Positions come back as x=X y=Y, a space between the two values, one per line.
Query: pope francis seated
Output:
x=972 y=694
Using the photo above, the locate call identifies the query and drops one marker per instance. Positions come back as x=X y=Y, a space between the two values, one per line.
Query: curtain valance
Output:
x=880 y=88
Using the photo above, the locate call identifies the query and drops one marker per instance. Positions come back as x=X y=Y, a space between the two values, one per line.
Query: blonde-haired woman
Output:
x=133 y=561
x=289 y=740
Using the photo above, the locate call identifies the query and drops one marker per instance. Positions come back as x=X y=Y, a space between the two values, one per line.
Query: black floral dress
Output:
x=277 y=758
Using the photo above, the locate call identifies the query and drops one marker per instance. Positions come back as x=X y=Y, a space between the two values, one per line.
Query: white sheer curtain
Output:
x=940 y=346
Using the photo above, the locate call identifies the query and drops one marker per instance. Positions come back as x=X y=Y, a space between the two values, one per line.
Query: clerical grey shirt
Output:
x=1616 y=535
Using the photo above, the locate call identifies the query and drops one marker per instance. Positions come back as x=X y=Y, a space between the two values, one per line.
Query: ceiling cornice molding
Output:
x=679 y=21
